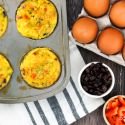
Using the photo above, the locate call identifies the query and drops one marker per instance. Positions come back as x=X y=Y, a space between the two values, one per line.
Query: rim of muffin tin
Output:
x=23 y=57
x=53 y=29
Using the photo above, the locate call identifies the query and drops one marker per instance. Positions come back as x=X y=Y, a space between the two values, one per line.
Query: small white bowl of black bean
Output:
x=96 y=80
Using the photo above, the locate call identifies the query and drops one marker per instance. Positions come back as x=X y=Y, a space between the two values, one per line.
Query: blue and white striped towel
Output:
x=61 y=109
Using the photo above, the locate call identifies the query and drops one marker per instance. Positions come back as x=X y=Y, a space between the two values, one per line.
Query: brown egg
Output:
x=96 y=8
x=117 y=14
x=123 y=52
x=110 y=41
x=85 y=30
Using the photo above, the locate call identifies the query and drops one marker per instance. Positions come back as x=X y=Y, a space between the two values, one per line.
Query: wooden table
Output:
x=73 y=9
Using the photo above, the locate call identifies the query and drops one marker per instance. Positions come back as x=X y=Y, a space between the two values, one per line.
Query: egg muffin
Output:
x=3 y=21
x=40 y=68
x=6 y=71
x=36 y=19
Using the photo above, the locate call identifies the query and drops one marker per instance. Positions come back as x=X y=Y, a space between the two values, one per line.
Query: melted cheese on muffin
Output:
x=3 y=21
x=40 y=68
x=6 y=71
x=36 y=19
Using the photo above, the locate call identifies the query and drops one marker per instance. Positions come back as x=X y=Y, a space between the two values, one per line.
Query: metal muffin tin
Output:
x=102 y=22
x=14 y=47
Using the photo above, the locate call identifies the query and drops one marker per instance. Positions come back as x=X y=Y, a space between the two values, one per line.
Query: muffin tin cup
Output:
x=14 y=47
x=54 y=27
x=23 y=58
x=96 y=96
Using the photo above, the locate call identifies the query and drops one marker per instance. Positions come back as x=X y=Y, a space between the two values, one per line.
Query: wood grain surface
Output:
x=73 y=9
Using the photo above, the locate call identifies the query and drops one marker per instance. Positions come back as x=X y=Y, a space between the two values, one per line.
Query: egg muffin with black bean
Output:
x=36 y=19
x=3 y=21
x=6 y=71
x=40 y=68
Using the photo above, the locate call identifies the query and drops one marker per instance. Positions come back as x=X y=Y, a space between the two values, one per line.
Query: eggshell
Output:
x=85 y=30
x=110 y=41
x=96 y=8
x=117 y=14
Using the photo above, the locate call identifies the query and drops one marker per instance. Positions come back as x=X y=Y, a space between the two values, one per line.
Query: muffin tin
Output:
x=14 y=47
x=103 y=22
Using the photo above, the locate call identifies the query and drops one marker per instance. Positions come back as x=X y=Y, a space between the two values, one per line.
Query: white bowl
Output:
x=104 y=108
x=96 y=96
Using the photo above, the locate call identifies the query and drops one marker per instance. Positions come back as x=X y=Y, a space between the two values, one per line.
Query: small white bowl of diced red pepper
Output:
x=114 y=111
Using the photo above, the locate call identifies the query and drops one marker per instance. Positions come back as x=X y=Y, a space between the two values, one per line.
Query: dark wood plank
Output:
x=73 y=9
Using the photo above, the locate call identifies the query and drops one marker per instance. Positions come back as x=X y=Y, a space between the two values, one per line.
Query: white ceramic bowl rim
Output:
x=96 y=96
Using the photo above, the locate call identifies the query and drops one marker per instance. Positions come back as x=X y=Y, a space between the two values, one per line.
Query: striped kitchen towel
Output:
x=61 y=109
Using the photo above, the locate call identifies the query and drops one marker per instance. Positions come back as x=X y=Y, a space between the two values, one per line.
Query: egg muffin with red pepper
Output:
x=36 y=19
x=3 y=21
x=40 y=68
x=6 y=71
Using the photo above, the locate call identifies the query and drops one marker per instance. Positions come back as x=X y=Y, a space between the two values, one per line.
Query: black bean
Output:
x=87 y=70
x=89 y=86
x=85 y=88
x=86 y=78
x=91 y=90
x=92 y=78
x=110 y=79
x=95 y=93
x=92 y=65
x=98 y=89
x=83 y=76
x=100 y=93
x=104 y=88
x=103 y=69
x=96 y=85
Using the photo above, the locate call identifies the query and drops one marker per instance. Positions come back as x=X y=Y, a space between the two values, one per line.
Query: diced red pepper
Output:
x=115 y=103
x=112 y=112
x=121 y=111
x=45 y=9
x=122 y=100
x=112 y=104
x=33 y=75
x=111 y=115
x=119 y=121
x=26 y=17
x=109 y=105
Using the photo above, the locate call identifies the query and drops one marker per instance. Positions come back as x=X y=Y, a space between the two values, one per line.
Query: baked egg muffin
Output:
x=36 y=19
x=6 y=71
x=40 y=68
x=3 y=21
